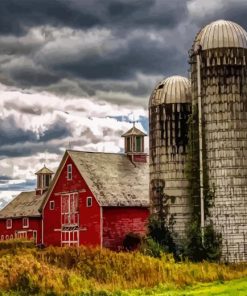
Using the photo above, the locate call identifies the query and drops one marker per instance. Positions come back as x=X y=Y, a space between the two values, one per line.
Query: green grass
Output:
x=231 y=288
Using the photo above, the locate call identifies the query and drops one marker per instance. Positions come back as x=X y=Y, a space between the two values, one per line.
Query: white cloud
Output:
x=89 y=121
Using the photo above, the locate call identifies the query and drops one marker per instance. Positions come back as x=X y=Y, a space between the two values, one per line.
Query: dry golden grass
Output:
x=82 y=269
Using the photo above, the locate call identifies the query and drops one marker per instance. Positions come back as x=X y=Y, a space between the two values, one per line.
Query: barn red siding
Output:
x=89 y=217
x=117 y=222
x=34 y=225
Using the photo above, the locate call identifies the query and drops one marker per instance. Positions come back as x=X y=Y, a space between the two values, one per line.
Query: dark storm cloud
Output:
x=232 y=10
x=27 y=184
x=10 y=133
x=151 y=50
x=139 y=56
x=5 y=179
x=121 y=17
x=16 y=141
x=28 y=149
x=158 y=14
x=18 y=16
x=57 y=130
x=28 y=77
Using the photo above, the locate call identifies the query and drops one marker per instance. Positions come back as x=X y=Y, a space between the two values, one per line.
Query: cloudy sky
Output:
x=73 y=73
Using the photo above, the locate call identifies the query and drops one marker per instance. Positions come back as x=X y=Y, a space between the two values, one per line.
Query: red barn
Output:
x=94 y=199
x=21 y=218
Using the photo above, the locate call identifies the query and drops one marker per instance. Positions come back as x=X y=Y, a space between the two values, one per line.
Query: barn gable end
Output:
x=69 y=217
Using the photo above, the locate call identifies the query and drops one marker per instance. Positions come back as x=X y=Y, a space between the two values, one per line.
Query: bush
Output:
x=151 y=248
x=131 y=241
x=161 y=234
x=16 y=244
x=197 y=251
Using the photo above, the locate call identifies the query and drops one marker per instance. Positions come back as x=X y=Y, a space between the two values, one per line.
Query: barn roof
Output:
x=26 y=204
x=113 y=178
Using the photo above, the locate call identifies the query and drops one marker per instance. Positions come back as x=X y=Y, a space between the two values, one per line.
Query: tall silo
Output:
x=219 y=81
x=169 y=109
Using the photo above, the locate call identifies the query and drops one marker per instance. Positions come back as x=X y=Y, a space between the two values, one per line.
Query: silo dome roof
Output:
x=174 y=89
x=221 y=34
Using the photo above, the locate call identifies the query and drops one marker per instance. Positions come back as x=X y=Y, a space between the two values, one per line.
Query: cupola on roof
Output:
x=221 y=34
x=133 y=132
x=44 y=170
x=174 y=89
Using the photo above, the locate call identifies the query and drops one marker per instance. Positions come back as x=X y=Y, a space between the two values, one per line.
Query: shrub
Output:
x=197 y=251
x=16 y=243
x=131 y=241
x=151 y=248
x=160 y=233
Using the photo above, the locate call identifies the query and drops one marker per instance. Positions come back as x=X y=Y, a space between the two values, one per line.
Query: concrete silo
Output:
x=219 y=81
x=169 y=109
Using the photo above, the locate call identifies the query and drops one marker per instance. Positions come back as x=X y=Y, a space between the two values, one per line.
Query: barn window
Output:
x=2 y=237
x=70 y=209
x=89 y=201
x=11 y=236
x=7 y=237
x=70 y=238
x=69 y=172
x=25 y=222
x=52 y=205
x=9 y=223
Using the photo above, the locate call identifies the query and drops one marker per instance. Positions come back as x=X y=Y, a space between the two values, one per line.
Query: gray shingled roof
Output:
x=113 y=178
x=25 y=204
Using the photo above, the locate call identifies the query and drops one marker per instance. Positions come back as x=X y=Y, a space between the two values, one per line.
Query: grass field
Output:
x=230 y=288
x=25 y=270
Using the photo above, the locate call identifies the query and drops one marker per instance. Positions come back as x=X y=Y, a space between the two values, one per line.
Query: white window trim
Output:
x=52 y=205
x=71 y=234
x=21 y=234
x=9 y=227
x=91 y=204
x=25 y=226
x=69 y=172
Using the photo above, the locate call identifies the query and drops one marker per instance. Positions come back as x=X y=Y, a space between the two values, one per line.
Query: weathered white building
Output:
x=169 y=109
x=218 y=68
x=219 y=83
